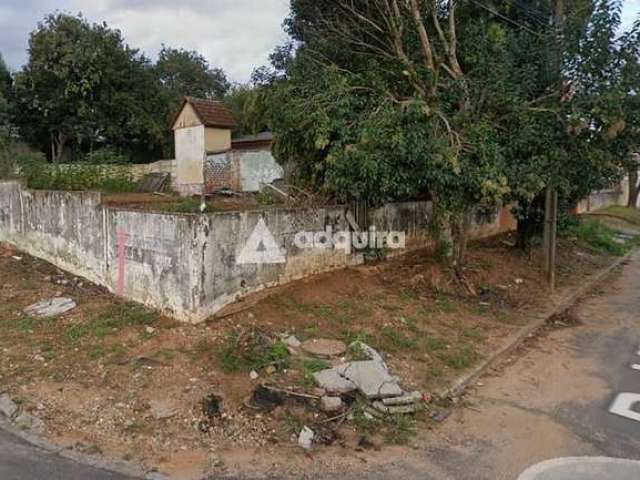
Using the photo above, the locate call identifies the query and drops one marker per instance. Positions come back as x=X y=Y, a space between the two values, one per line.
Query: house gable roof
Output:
x=211 y=113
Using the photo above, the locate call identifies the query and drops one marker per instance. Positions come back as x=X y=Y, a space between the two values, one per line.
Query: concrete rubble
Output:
x=305 y=438
x=371 y=378
x=324 y=348
x=331 y=404
x=52 y=307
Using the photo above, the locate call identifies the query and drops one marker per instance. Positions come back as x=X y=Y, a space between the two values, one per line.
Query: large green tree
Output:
x=83 y=87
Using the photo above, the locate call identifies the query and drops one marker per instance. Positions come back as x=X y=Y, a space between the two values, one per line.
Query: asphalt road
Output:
x=551 y=401
x=21 y=461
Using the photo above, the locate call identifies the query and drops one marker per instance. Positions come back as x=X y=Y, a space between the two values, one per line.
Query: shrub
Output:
x=39 y=175
x=106 y=156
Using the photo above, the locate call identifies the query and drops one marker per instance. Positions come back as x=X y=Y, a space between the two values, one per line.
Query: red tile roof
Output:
x=212 y=113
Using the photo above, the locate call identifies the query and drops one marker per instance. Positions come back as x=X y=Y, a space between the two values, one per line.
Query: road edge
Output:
x=539 y=320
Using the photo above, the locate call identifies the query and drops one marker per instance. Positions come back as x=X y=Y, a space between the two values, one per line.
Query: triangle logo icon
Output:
x=261 y=248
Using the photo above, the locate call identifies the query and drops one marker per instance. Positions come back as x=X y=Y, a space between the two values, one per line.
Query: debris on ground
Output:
x=264 y=398
x=306 y=438
x=291 y=341
x=371 y=378
x=324 y=348
x=7 y=406
x=52 y=307
x=331 y=404
x=212 y=406
x=333 y=383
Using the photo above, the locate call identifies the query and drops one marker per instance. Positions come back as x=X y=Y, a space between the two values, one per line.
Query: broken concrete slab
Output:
x=333 y=383
x=367 y=351
x=330 y=404
x=291 y=341
x=7 y=406
x=324 y=347
x=406 y=399
x=50 y=308
x=396 y=410
x=372 y=379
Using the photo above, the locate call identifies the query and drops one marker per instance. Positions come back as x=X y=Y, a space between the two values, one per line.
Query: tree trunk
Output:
x=58 y=144
x=634 y=189
x=460 y=226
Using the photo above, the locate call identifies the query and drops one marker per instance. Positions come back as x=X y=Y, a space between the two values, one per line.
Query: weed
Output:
x=364 y=423
x=472 y=334
x=97 y=351
x=308 y=367
x=251 y=351
x=26 y=325
x=392 y=340
x=459 y=358
x=399 y=429
x=434 y=344
x=599 y=237
x=74 y=333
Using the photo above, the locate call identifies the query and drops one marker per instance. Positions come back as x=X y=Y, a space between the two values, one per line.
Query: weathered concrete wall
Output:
x=190 y=266
x=256 y=168
x=617 y=195
x=190 y=159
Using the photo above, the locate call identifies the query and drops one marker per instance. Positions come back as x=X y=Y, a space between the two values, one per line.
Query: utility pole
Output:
x=551 y=195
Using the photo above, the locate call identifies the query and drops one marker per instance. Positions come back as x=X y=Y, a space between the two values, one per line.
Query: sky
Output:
x=237 y=35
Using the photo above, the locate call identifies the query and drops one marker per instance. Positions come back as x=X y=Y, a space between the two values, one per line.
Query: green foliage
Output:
x=599 y=237
x=251 y=351
x=39 y=175
x=106 y=156
x=249 y=108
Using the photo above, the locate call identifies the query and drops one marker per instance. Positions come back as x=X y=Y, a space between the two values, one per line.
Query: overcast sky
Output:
x=236 y=35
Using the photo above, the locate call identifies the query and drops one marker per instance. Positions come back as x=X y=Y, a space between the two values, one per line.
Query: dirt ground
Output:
x=115 y=378
x=175 y=204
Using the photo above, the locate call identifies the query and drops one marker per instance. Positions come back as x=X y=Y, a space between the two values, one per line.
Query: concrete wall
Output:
x=190 y=266
x=617 y=195
x=161 y=166
x=190 y=149
x=256 y=168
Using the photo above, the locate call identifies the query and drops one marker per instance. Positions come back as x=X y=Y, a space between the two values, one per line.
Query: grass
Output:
x=599 y=237
x=309 y=366
x=252 y=352
x=631 y=215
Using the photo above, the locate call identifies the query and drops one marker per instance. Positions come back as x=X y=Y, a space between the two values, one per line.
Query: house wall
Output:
x=187 y=118
x=256 y=168
x=190 y=148
x=190 y=266
x=217 y=139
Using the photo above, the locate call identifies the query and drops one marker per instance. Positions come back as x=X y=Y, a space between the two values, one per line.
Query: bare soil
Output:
x=175 y=204
x=94 y=373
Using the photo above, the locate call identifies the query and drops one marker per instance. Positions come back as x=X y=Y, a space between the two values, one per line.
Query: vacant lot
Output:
x=115 y=378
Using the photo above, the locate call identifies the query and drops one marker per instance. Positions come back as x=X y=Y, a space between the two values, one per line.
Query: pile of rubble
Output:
x=365 y=375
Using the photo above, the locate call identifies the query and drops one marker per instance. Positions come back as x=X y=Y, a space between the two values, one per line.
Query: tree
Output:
x=6 y=89
x=382 y=103
x=187 y=73
x=83 y=87
x=249 y=107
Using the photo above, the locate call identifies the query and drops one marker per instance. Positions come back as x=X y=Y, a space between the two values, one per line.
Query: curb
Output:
x=537 y=322
x=121 y=467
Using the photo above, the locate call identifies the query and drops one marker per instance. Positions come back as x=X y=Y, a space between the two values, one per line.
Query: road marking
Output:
x=623 y=404
x=577 y=467
x=635 y=366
